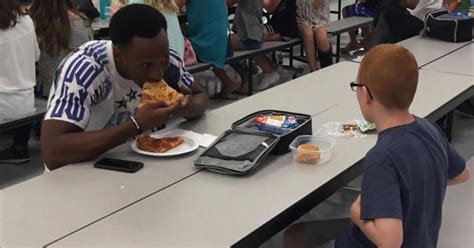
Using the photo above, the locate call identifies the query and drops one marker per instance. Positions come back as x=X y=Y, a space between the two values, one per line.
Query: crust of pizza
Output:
x=157 y=145
x=159 y=92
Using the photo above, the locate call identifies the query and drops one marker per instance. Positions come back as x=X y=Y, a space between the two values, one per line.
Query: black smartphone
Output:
x=118 y=165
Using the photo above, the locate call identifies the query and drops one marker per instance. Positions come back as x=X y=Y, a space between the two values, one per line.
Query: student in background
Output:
x=313 y=18
x=248 y=35
x=283 y=18
x=425 y=6
x=208 y=34
x=60 y=29
x=19 y=51
x=393 y=22
x=363 y=8
x=405 y=174
x=170 y=10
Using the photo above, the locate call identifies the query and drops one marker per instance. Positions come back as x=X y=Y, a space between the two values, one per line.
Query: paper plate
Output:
x=188 y=145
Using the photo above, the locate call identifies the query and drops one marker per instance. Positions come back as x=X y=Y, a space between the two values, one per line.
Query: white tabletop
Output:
x=427 y=50
x=50 y=206
x=211 y=210
x=458 y=62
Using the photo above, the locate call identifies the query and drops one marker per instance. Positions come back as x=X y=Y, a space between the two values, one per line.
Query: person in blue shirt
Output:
x=405 y=174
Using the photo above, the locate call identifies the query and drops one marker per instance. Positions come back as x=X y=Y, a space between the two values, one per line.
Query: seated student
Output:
x=208 y=36
x=364 y=8
x=248 y=35
x=282 y=20
x=393 y=22
x=97 y=89
x=313 y=18
x=170 y=10
x=405 y=174
x=60 y=29
x=19 y=51
x=425 y=6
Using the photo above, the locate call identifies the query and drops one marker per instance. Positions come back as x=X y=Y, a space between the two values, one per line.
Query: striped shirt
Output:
x=80 y=34
x=89 y=92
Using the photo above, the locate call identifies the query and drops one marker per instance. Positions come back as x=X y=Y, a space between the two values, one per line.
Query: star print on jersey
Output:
x=122 y=103
x=132 y=95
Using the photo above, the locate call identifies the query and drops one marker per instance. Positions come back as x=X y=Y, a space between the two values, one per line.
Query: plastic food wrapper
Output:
x=277 y=124
x=365 y=126
x=349 y=129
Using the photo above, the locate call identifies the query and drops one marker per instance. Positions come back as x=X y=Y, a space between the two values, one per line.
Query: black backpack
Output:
x=439 y=24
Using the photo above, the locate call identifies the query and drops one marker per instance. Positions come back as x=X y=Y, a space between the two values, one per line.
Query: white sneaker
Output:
x=268 y=80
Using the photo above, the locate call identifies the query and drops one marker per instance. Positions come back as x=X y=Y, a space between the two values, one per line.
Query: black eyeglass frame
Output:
x=356 y=84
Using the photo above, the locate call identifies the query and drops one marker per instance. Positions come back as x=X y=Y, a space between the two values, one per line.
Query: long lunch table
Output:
x=459 y=62
x=212 y=210
x=427 y=50
x=51 y=206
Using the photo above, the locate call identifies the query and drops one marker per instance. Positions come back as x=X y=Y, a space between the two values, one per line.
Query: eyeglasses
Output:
x=354 y=86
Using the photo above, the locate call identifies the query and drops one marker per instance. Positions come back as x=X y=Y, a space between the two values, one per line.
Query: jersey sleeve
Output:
x=176 y=74
x=74 y=85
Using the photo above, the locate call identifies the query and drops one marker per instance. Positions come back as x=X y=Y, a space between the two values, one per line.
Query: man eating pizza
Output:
x=97 y=89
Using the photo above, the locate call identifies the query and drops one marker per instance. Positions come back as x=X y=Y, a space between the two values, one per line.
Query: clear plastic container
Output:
x=310 y=155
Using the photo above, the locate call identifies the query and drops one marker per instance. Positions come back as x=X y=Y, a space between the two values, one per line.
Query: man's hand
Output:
x=154 y=114
x=193 y=104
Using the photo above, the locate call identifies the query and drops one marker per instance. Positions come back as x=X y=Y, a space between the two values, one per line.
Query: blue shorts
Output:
x=359 y=9
x=250 y=44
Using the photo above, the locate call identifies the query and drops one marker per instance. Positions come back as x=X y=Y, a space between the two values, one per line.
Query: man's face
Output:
x=145 y=60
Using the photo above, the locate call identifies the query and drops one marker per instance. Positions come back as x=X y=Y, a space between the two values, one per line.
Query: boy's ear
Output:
x=366 y=96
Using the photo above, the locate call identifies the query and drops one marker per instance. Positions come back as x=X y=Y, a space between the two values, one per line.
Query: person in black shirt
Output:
x=282 y=22
x=394 y=23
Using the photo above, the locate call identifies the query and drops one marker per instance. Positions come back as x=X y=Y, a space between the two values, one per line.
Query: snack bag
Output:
x=277 y=124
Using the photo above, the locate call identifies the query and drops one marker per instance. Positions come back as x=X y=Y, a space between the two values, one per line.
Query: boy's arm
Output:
x=383 y=232
x=461 y=178
x=458 y=172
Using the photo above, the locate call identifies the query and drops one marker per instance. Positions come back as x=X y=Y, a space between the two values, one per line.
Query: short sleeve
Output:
x=71 y=101
x=380 y=195
x=456 y=163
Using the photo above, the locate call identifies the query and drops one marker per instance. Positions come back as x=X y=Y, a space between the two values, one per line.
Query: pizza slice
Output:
x=157 y=145
x=159 y=92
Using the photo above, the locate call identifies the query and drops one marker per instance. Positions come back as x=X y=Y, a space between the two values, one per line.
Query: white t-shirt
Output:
x=18 y=53
x=89 y=92
x=424 y=6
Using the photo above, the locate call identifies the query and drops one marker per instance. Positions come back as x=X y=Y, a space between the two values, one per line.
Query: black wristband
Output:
x=135 y=123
